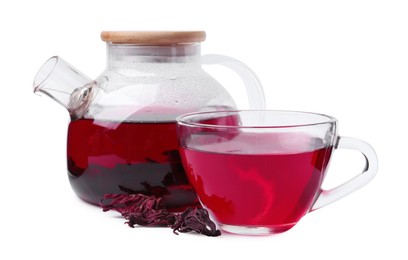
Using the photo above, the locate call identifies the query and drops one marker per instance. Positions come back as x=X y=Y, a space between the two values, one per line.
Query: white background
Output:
x=346 y=58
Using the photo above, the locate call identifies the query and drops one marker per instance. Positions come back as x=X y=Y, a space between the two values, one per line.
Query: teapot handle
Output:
x=254 y=90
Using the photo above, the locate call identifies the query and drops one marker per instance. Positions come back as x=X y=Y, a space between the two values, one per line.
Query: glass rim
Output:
x=183 y=119
x=48 y=67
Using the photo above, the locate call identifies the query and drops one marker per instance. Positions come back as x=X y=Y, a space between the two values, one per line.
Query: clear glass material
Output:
x=66 y=85
x=259 y=172
x=122 y=134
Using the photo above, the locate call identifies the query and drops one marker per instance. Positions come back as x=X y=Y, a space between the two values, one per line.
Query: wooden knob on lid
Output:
x=153 y=37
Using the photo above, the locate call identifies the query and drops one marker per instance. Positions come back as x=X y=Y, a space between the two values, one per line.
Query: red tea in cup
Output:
x=261 y=172
x=260 y=188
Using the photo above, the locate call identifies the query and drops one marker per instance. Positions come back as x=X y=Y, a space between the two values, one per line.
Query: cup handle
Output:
x=254 y=90
x=370 y=170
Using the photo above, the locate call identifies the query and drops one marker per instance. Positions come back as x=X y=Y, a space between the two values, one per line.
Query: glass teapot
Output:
x=122 y=134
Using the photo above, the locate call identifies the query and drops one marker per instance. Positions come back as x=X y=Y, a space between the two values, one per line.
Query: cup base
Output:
x=256 y=230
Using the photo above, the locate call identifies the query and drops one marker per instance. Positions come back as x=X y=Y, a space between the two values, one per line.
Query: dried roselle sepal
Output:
x=150 y=212
x=197 y=220
x=139 y=209
x=123 y=203
x=145 y=210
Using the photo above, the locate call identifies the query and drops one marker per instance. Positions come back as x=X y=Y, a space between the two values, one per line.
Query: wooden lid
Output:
x=153 y=37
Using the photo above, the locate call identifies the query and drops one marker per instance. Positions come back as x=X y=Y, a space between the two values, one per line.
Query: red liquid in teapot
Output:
x=111 y=157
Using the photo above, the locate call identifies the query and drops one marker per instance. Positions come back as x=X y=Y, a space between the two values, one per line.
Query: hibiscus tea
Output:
x=256 y=179
x=127 y=157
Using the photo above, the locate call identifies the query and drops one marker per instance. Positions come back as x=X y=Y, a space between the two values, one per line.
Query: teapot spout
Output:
x=65 y=84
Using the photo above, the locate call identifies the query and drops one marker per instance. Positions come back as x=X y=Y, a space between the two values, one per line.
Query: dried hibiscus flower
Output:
x=196 y=220
x=144 y=210
x=138 y=209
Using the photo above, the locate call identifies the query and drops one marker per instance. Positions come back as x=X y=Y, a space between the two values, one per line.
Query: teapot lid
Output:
x=153 y=37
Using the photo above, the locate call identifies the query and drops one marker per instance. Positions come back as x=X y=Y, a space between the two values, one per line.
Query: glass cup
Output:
x=261 y=171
